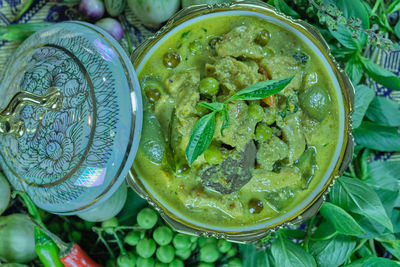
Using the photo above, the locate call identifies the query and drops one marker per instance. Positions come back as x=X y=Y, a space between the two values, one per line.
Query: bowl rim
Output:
x=346 y=91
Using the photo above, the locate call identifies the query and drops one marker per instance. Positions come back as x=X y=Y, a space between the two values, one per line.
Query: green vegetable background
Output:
x=358 y=225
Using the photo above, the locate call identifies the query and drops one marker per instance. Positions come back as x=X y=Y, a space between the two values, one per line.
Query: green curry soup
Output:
x=275 y=150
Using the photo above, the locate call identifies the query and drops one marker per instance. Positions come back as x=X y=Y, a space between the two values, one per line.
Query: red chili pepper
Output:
x=78 y=258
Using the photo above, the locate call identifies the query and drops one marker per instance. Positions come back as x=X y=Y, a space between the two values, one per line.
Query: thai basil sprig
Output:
x=203 y=131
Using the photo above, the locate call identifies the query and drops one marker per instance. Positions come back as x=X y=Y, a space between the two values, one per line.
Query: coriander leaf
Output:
x=225 y=120
x=341 y=220
x=384 y=112
x=201 y=137
x=380 y=74
x=373 y=262
x=288 y=254
x=215 y=106
x=261 y=90
x=285 y=8
x=332 y=252
x=253 y=257
x=393 y=7
x=364 y=96
x=353 y=195
x=374 y=136
x=354 y=69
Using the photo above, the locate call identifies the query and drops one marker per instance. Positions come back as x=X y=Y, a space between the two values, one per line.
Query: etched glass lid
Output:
x=71 y=117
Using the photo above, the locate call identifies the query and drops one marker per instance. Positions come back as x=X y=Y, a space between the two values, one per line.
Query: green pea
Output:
x=145 y=248
x=165 y=253
x=256 y=112
x=213 y=155
x=255 y=206
x=184 y=253
x=209 y=253
x=176 y=263
x=132 y=238
x=145 y=262
x=235 y=262
x=147 y=218
x=263 y=132
x=89 y=225
x=171 y=59
x=109 y=225
x=193 y=246
x=160 y=264
x=193 y=238
x=209 y=86
x=153 y=94
x=126 y=260
x=162 y=235
x=232 y=252
x=195 y=47
x=75 y=236
x=223 y=245
x=315 y=101
x=206 y=240
x=205 y=264
x=181 y=241
x=111 y=263
x=66 y=227
x=262 y=38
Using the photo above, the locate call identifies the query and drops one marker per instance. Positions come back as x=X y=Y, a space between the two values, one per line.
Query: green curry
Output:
x=275 y=150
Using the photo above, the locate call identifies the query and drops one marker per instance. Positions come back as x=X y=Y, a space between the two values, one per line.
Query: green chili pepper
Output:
x=46 y=249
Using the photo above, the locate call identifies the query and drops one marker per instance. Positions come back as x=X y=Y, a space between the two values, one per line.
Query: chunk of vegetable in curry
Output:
x=275 y=150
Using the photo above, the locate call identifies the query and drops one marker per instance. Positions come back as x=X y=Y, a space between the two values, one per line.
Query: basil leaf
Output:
x=384 y=112
x=288 y=254
x=373 y=262
x=354 y=69
x=397 y=29
x=215 y=106
x=285 y=8
x=380 y=74
x=253 y=257
x=353 y=195
x=384 y=168
x=324 y=231
x=396 y=219
x=341 y=220
x=225 y=120
x=381 y=138
x=202 y=135
x=364 y=96
x=371 y=228
x=390 y=243
x=393 y=7
x=261 y=90
x=345 y=37
x=332 y=252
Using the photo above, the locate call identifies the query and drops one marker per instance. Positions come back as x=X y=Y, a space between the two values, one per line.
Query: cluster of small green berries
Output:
x=155 y=244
